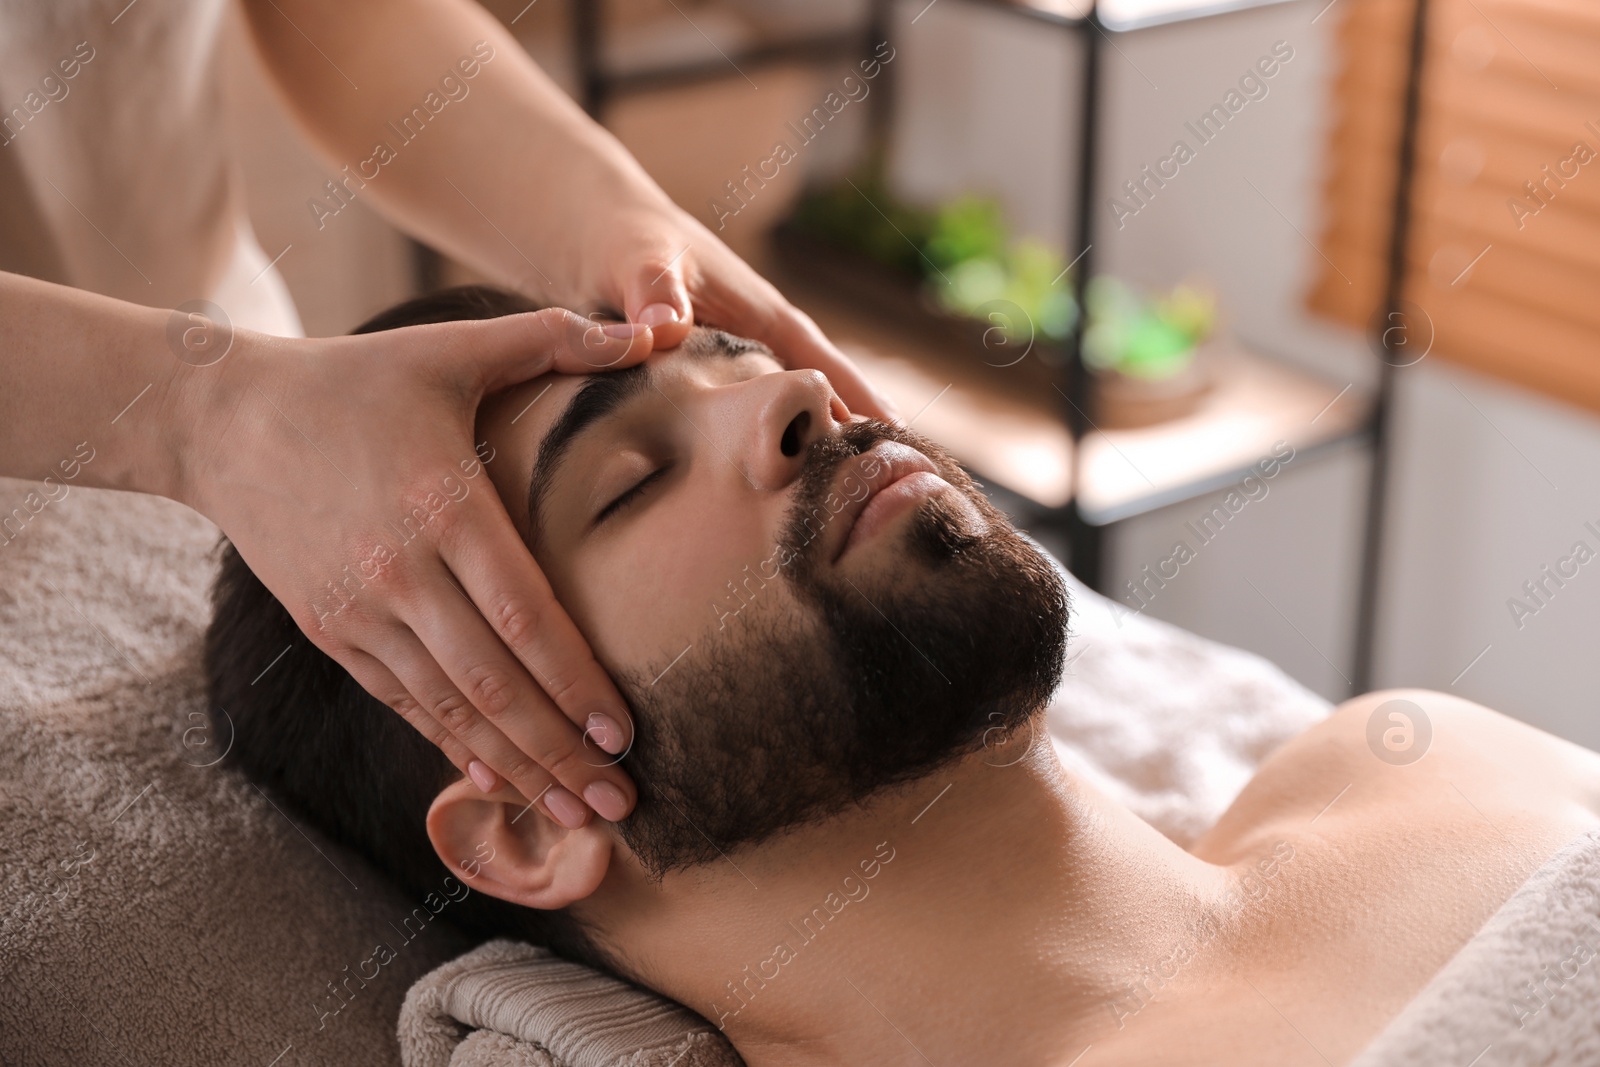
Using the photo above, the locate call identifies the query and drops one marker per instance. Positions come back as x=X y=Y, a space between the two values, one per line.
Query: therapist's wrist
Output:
x=211 y=417
x=143 y=446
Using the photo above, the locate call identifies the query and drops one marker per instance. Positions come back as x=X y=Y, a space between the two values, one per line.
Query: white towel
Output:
x=1525 y=990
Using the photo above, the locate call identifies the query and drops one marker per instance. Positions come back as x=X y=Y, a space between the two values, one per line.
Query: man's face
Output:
x=800 y=606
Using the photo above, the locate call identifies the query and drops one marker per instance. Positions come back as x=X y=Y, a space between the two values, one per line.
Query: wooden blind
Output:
x=1504 y=250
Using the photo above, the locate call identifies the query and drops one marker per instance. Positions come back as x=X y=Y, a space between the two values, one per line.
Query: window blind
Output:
x=1504 y=249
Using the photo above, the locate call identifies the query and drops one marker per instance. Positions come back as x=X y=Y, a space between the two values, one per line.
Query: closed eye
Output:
x=629 y=495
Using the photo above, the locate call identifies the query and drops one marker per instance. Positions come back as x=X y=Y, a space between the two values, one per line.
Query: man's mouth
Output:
x=902 y=478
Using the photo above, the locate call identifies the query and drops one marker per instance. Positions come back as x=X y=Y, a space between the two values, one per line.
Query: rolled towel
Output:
x=508 y=1004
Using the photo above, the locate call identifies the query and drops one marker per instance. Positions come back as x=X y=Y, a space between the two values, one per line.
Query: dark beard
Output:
x=883 y=680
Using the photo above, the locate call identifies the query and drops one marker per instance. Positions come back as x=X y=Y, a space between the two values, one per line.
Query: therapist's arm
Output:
x=511 y=177
x=305 y=453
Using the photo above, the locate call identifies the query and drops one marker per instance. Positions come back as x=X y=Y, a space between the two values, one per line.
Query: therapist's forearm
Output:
x=90 y=391
x=500 y=179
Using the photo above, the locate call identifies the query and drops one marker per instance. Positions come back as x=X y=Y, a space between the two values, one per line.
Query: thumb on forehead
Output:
x=515 y=348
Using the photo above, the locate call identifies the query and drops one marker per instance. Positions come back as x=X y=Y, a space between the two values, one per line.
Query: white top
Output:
x=116 y=173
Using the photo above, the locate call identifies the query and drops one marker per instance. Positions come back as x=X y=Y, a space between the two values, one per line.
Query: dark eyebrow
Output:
x=602 y=395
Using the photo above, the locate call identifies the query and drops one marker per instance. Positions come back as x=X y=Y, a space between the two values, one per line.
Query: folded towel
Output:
x=1525 y=990
x=507 y=1004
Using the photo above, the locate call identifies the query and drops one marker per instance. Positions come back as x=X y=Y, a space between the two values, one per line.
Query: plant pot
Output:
x=1123 y=402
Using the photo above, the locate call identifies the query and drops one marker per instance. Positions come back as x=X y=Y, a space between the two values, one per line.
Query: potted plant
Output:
x=1144 y=352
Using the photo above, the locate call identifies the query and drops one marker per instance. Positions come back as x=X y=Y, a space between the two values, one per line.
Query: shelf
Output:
x=1256 y=403
x=1120 y=16
x=1018 y=439
x=636 y=50
x=625 y=73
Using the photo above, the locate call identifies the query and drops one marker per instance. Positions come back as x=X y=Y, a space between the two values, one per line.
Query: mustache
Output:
x=823 y=475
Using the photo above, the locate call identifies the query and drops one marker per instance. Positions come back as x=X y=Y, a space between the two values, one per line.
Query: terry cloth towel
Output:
x=1525 y=990
x=507 y=1004
x=1167 y=722
x=155 y=908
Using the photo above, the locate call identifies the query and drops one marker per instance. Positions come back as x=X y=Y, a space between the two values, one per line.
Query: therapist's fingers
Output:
x=757 y=310
x=656 y=296
x=431 y=703
x=505 y=351
x=568 y=716
x=380 y=681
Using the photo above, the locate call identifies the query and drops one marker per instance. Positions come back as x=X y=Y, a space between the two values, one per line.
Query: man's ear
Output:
x=509 y=849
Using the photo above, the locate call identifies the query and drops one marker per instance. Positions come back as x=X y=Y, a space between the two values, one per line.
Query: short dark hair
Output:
x=341 y=759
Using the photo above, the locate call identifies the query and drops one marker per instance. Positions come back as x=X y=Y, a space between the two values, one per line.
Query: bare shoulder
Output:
x=1402 y=747
x=1405 y=727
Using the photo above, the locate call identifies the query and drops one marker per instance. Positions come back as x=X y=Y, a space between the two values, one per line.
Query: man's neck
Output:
x=991 y=911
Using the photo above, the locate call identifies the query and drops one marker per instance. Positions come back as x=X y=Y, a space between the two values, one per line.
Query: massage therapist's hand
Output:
x=666 y=270
x=515 y=180
x=344 y=471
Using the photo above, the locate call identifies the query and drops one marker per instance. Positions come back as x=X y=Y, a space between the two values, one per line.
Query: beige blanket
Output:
x=154 y=909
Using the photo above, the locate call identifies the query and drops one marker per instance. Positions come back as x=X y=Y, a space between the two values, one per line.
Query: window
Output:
x=1505 y=231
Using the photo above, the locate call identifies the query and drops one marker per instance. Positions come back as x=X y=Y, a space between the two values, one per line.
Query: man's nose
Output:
x=792 y=409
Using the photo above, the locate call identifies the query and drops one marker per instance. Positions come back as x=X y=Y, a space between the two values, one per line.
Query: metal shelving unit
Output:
x=1084 y=527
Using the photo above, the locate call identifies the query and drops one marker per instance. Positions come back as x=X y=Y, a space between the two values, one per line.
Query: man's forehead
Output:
x=544 y=400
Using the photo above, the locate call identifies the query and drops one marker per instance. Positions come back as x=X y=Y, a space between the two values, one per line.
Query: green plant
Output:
x=963 y=250
x=968 y=227
x=1145 y=338
x=1026 y=276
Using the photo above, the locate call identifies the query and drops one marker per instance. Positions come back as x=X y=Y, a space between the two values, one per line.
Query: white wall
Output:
x=984 y=96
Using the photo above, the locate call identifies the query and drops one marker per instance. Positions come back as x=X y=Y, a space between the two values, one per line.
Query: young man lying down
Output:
x=835 y=649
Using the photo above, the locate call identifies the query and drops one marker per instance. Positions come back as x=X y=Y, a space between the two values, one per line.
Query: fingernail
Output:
x=629 y=330
x=607 y=801
x=658 y=315
x=482 y=777
x=603 y=730
x=565 y=808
